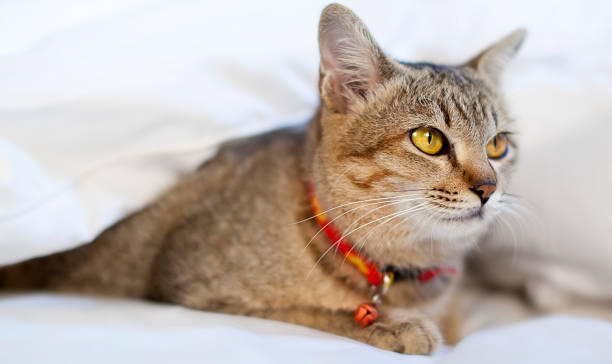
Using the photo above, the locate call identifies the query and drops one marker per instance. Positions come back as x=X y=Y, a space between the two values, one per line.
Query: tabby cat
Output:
x=405 y=164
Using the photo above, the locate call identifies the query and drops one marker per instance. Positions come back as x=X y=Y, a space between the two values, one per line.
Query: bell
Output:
x=366 y=314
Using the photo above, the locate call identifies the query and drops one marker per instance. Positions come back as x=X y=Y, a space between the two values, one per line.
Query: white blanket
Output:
x=55 y=329
x=103 y=104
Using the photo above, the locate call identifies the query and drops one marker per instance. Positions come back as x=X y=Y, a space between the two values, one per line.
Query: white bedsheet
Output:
x=63 y=329
x=105 y=103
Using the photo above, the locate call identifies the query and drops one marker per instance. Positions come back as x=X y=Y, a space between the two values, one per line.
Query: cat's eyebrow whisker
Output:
x=353 y=203
x=386 y=202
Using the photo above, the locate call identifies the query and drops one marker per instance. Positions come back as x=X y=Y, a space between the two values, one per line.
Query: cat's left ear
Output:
x=492 y=61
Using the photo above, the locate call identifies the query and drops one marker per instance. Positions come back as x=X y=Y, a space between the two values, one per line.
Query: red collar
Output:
x=365 y=266
x=366 y=313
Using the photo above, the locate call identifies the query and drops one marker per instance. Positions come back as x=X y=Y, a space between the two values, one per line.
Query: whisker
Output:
x=417 y=208
x=352 y=203
x=373 y=221
x=523 y=213
x=403 y=220
x=378 y=208
x=394 y=217
x=511 y=232
x=343 y=237
x=381 y=218
x=346 y=212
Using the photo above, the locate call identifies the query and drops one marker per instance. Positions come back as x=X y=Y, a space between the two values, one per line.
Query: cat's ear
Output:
x=352 y=64
x=492 y=61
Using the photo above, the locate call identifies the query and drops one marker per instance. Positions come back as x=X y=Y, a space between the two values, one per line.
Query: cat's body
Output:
x=226 y=238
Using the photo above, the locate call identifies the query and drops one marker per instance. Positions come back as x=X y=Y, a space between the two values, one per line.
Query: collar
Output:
x=380 y=279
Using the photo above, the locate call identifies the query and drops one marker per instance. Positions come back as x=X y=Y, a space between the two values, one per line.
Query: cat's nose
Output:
x=484 y=191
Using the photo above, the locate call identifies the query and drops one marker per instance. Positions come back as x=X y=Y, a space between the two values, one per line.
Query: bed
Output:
x=105 y=104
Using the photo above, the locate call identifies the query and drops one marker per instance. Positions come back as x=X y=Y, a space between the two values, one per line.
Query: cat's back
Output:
x=244 y=151
x=246 y=167
x=245 y=179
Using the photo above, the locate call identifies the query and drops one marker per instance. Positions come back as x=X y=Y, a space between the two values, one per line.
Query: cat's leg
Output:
x=398 y=330
x=451 y=323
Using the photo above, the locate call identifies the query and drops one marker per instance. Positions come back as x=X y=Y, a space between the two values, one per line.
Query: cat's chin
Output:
x=470 y=217
x=460 y=225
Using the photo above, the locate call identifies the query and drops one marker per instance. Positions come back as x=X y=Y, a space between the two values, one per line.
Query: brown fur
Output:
x=225 y=238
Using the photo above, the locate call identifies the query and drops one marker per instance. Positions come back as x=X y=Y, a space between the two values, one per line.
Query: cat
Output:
x=373 y=204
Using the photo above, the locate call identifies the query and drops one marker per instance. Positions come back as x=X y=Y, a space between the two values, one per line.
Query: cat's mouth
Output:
x=472 y=216
x=456 y=214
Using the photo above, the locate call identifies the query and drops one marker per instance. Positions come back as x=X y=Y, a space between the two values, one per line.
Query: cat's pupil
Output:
x=495 y=142
x=429 y=137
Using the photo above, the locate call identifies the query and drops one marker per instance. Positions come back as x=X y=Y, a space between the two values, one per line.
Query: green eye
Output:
x=497 y=147
x=428 y=140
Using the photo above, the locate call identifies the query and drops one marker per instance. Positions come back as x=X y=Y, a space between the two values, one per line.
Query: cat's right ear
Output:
x=352 y=64
x=492 y=61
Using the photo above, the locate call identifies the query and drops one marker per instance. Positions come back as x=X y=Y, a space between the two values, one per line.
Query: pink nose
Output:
x=484 y=191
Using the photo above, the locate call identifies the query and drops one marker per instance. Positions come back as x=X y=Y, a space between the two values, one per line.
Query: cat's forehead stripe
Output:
x=453 y=92
x=461 y=110
x=444 y=109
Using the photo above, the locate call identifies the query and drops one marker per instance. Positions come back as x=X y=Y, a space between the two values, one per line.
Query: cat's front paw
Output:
x=413 y=336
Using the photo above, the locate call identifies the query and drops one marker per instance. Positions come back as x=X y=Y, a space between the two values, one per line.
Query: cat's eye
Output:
x=497 y=147
x=428 y=140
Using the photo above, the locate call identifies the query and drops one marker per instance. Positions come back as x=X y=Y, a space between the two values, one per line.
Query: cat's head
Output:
x=435 y=140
